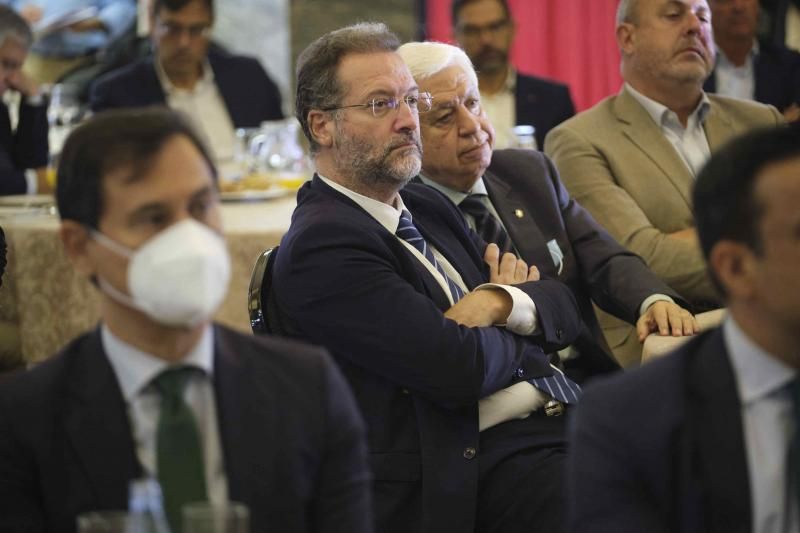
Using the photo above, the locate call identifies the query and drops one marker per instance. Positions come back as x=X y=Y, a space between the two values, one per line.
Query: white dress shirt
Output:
x=690 y=142
x=501 y=108
x=516 y=401
x=135 y=371
x=733 y=80
x=204 y=105
x=768 y=423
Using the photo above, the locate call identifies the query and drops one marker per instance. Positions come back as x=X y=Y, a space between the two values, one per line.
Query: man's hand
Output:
x=480 y=309
x=31 y=13
x=508 y=270
x=666 y=318
x=91 y=24
x=688 y=234
x=19 y=81
x=791 y=113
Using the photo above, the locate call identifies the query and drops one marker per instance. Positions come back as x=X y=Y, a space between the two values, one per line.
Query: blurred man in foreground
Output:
x=706 y=439
x=158 y=389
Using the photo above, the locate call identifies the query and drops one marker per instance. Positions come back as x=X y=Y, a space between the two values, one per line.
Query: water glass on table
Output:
x=204 y=517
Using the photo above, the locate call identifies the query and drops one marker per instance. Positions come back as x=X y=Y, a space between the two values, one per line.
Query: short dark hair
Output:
x=108 y=141
x=177 y=5
x=13 y=26
x=318 y=86
x=458 y=5
x=724 y=202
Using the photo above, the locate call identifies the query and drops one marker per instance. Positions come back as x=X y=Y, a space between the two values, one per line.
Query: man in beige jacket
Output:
x=631 y=160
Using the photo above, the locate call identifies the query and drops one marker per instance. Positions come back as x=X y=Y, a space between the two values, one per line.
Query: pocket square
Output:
x=556 y=254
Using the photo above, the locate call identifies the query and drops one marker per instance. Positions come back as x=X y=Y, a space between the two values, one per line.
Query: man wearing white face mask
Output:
x=157 y=390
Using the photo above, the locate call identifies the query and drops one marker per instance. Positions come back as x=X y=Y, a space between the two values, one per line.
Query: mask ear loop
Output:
x=104 y=285
x=111 y=244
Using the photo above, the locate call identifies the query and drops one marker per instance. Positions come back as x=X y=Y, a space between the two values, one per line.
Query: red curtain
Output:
x=567 y=40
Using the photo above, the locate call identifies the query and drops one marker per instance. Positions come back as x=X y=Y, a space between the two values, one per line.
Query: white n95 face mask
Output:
x=179 y=277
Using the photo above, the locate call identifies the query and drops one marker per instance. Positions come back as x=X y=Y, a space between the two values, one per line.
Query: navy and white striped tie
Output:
x=409 y=233
x=559 y=387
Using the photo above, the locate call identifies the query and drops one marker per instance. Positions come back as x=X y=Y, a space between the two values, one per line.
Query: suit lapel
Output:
x=718 y=128
x=98 y=427
x=232 y=409
x=714 y=411
x=646 y=135
x=519 y=221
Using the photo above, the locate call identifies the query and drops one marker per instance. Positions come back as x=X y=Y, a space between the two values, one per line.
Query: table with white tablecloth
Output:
x=48 y=303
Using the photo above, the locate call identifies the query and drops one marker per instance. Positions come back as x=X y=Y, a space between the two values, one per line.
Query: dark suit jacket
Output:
x=27 y=147
x=292 y=441
x=595 y=267
x=777 y=76
x=249 y=94
x=661 y=448
x=342 y=280
x=542 y=103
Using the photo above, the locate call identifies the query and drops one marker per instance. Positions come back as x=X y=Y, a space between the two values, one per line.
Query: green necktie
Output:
x=179 y=453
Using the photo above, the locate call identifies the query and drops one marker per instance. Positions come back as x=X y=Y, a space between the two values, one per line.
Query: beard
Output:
x=490 y=60
x=375 y=167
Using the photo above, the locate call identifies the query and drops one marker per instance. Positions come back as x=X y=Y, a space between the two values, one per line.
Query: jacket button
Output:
x=559 y=333
x=469 y=453
x=520 y=373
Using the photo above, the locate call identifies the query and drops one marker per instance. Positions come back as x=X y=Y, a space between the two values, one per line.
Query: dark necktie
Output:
x=793 y=466
x=486 y=224
x=179 y=453
x=409 y=233
x=558 y=386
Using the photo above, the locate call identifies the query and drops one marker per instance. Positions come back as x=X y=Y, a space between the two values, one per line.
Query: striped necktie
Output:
x=486 y=224
x=409 y=233
x=559 y=387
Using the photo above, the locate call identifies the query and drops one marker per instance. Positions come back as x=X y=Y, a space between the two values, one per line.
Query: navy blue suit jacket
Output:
x=342 y=280
x=27 y=147
x=535 y=208
x=777 y=73
x=661 y=448
x=249 y=94
x=542 y=103
x=292 y=441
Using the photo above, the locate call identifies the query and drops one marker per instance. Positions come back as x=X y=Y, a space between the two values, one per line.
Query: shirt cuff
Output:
x=653 y=298
x=523 y=318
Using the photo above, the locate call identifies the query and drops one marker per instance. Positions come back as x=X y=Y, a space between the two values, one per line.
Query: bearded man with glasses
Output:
x=220 y=91
x=442 y=338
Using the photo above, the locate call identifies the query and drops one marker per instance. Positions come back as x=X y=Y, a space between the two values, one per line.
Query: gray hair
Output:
x=13 y=26
x=627 y=11
x=428 y=59
x=317 y=84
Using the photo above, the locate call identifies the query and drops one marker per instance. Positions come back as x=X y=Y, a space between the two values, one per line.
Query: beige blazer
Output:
x=616 y=162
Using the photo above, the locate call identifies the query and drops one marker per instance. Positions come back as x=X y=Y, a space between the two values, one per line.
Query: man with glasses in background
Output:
x=448 y=369
x=485 y=30
x=220 y=91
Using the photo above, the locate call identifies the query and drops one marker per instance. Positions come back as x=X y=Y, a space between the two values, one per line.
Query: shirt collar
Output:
x=758 y=374
x=749 y=60
x=135 y=369
x=206 y=80
x=387 y=216
x=455 y=196
x=661 y=113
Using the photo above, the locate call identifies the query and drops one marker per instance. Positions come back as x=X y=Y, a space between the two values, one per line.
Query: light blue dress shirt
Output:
x=117 y=16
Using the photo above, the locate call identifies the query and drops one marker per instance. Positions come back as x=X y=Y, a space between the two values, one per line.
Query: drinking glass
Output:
x=204 y=517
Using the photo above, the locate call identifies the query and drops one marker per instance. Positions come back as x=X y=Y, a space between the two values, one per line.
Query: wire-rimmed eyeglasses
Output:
x=381 y=106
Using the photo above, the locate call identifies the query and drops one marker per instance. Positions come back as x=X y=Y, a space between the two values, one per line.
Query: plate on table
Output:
x=27 y=200
x=253 y=195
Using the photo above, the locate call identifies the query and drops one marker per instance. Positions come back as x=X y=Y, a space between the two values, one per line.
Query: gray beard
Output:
x=374 y=173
